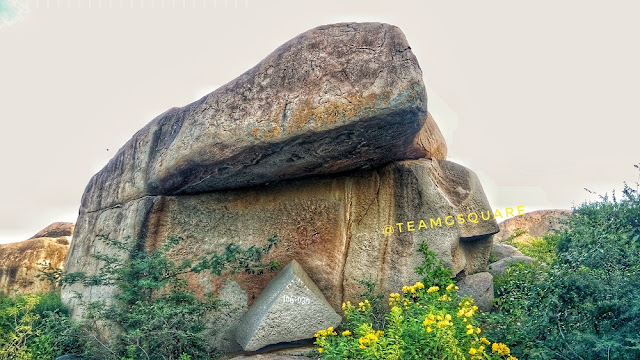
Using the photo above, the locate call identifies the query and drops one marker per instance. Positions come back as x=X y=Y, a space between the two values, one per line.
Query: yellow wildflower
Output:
x=346 y=307
x=393 y=298
x=500 y=348
x=485 y=341
x=320 y=350
x=433 y=289
x=430 y=319
x=419 y=285
x=469 y=329
x=346 y=333
x=369 y=338
x=472 y=351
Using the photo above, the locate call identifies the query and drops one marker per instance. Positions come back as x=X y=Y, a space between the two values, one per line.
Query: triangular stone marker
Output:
x=290 y=308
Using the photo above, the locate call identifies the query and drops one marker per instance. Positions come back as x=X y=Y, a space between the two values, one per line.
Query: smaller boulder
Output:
x=501 y=251
x=500 y=266
x=479 y=287
x=56 y=230
x=290 y=308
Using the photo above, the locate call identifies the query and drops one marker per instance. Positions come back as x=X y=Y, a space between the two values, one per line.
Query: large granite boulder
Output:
x=20 y=262
x=332 y=225
x=335 y=98
x=523 y=228
x=327 y=144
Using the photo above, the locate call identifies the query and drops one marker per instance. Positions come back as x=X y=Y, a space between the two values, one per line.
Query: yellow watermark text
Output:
x=472 y=217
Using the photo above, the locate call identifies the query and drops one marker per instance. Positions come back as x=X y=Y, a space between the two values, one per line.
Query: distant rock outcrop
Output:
x=326 y=143
x=533 y=224
x=20 y=262
x=56 y=230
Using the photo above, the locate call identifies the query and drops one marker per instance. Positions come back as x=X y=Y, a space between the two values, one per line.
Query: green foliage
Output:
x=516 y=233
x=376 y=302
x=422 y=323
x=154 y=315
x=543 y=249
x=432 y=269
x=35 y=326
x=586 y=303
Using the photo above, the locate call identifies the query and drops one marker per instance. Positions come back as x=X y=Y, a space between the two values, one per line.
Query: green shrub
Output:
x=586 y=303
x=422 y=323
x=154 y=315
x=36 y=326
x=543 y=249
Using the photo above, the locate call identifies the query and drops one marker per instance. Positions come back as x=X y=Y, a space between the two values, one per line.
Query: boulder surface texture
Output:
x=325 y=143
x=479 y=287
x=335 y=98
x=20 y=262
x=532 y=224
x=290 y=308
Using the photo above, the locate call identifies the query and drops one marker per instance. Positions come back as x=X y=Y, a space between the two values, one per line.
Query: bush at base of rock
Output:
x=583 y=304
x=426 y=321
x=154 y=315
x=36 y=326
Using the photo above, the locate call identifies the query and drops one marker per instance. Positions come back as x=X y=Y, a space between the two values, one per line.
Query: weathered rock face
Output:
x=480 y=287
x=335 y=98
x=327 y=144
x=535 y=224
x=333 y=226
x=501 y=265
x=501 y=251
x=290 y=308
x=430 y=143
x=20 y=261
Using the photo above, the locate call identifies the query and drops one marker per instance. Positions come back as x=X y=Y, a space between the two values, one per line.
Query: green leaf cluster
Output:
x=585 y=303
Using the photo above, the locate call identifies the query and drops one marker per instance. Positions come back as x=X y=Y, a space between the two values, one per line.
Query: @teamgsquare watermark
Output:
x=472 y=217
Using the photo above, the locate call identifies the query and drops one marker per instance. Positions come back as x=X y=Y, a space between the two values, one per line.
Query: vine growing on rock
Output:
x=153 y=314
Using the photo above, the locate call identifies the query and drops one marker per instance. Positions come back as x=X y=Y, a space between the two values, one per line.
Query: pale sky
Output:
x=539 y=99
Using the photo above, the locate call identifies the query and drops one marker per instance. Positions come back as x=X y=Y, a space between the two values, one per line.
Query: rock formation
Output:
x=20 y=262
x=500 y=266
x=501 y=251
x=533 y=224
x=326 y=143
x=56 y=230
x=480 y=287
x=290 y=308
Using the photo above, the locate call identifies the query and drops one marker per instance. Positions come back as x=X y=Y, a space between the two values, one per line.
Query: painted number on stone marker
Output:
x=301 y=300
